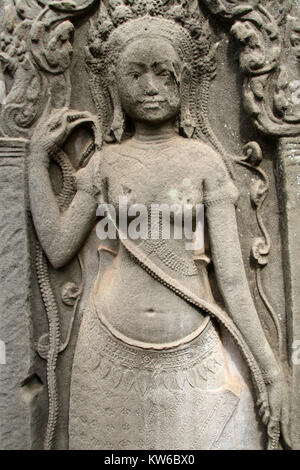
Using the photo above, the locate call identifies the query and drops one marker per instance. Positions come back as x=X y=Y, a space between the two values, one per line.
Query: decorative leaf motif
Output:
x=64 y=6
x=258 y=87
x=250 y=104
x=258 y=192
x=43 y=346
x=35 y=40
x=71 y=7
x=260 y=251
x=262 y=42
x=281 y=102
x=70 y=293
x=231 y=8
x=253 y=153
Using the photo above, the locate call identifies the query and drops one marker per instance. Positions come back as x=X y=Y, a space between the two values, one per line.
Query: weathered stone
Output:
x=139 y=342
x=16 y=385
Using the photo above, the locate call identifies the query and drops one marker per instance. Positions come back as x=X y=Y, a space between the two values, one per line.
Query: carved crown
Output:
x=120 y=22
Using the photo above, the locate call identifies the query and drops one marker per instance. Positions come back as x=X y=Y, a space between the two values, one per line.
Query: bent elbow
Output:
x=57 y=262
x=61 y=250
x=58 y=257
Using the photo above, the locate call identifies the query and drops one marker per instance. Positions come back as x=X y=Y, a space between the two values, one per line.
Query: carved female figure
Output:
x=150 y=370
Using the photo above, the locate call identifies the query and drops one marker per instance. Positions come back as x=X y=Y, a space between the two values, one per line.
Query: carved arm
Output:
x=233 y=284
x=61 y=234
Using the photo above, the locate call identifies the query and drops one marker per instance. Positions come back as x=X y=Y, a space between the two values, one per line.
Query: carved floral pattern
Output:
x=261 y=27
x=36 y=53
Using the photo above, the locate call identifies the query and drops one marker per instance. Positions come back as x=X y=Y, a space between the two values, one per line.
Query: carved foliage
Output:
x=261 y=245
x=269 y=41
x=35 y=46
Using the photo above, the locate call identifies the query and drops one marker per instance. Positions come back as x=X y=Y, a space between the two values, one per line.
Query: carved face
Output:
x=148 y=80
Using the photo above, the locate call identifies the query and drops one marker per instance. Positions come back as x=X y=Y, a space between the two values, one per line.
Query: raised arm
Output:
x=61 y=233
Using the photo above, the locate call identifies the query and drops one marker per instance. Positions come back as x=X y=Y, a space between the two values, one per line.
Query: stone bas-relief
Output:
x=172 y=350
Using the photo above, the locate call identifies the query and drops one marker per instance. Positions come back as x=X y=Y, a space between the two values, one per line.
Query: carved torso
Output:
x=133 y=302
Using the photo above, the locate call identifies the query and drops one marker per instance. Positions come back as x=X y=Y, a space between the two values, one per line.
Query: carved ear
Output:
x=187 y=123
x=118 y=124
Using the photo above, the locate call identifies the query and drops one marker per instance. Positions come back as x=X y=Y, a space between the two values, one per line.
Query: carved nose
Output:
x=150 y=87
x=152 y=91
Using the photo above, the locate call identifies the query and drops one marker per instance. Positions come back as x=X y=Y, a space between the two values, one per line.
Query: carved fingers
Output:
x=263 y=410
x=275 y=418
x=54 y=131
x=285 y=426
x=63 y=122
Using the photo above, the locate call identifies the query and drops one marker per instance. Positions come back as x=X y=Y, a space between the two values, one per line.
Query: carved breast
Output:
x=127 y=297
x=148 y=174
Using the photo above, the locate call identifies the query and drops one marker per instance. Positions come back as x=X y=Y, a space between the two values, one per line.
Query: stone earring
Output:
x=118 y=123
x=187 y=123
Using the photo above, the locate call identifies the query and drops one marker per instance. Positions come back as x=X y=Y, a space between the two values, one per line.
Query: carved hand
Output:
x=233 y=284
x=278 y=417
x=52 y=132
x=61 y=233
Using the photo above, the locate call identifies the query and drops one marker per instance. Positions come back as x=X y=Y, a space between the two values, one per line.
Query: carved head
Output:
x=148 y=79
x=151 y=57
x=151 y=62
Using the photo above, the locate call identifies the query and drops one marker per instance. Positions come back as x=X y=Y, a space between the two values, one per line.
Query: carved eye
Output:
x=62 y=38
x=295 y=41
x=164 y=73
x=136 y=75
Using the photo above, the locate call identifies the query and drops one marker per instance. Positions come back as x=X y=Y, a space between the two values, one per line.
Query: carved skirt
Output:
x=188 y=397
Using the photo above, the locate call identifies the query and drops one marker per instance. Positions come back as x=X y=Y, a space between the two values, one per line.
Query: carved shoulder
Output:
x=217 y=183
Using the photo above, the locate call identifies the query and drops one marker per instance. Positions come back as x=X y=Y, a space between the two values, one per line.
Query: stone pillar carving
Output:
x=16 y=383
x=289 y=192
x=35 y=55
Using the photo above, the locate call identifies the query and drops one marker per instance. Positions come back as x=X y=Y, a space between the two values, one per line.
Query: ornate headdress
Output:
x=121 y=22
